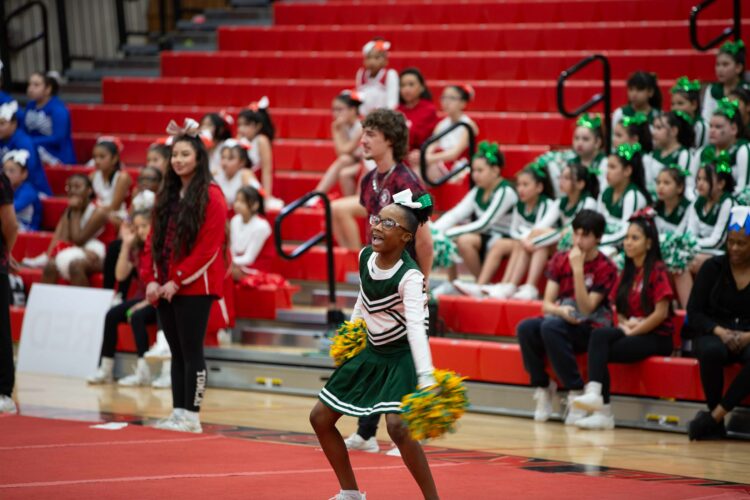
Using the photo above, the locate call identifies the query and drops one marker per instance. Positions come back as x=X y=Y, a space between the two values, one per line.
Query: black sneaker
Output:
x=704 y=427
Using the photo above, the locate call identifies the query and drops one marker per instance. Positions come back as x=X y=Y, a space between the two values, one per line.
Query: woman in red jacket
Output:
x=184 y=266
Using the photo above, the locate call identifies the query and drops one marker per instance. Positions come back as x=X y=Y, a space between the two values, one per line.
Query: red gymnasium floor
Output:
x=46 y=458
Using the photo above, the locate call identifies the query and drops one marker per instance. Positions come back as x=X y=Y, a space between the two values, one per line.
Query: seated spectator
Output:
x=235 y=170
x=415 y=102
x=449 y=152
x=111 y=183
x=375 y=82
x=12 y=137
x=74 y=252
x=26 y=200
x=47 y=120
x=576 y=300
x=218 y=126
x=643 y=298
x=137 y=310
x=346 y=132
x=719 y=315
x=249 y=231
x=254 y=125
x=158 y=157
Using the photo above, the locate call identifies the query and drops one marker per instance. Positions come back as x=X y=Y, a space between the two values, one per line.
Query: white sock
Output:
x=192 y=416
x=350 y=494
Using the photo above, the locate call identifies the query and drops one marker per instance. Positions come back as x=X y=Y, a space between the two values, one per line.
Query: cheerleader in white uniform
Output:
x=686 y=97
x=375 y=82
x=644 y=96
x=111 y=184
x=255 y=126
x=730 y=70
x=673 y=137
x=236 y=169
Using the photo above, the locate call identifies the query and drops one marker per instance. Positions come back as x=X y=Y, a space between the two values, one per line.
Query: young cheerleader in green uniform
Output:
x=396 y=360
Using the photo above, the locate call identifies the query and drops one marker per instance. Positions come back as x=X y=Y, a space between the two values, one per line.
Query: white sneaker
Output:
x=141 y=377
x=445 y=288
x=169 y=421
x=164 y=380
x=592 y=398
x=500 y=290
x=543 y=397
x=599 y=420
x=574 y=414
x=356 y=442
x=526 y=292
x=103 y=374
x=470 y=289
x=7 y=405
x=36 y=262
x=346 y=495
x=160 y=349
x=180 y=424
x=224 y=337
x=393 y=452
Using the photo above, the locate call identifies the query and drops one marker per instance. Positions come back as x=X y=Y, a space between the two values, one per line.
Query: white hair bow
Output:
x=20 y=156
x=8 y=110
x=263 y=103
x=189 y=127
x=379 y=45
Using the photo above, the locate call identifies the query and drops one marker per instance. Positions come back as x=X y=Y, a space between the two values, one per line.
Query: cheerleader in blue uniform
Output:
x=396 y=359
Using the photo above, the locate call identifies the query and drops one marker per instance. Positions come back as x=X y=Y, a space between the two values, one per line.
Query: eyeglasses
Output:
x=388 y=224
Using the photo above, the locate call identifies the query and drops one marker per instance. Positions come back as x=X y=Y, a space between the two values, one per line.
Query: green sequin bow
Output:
x=589 y=121
x=685 y=116
x=727 y=108
x=637 y=119
x=684 y=84
x=722 y=161
x=490 y=151
x=539 y=168
x=627 y=151
x=684 y=172
x=732 y=47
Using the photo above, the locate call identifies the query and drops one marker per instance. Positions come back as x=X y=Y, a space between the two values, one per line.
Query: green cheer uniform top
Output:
x=566 y=212
x=739 y=159
x=654 y=162
x=713 y=95
x=396 y=359
x=491 y=217
x=617 y=212
x=709 y=225
x=676 y=220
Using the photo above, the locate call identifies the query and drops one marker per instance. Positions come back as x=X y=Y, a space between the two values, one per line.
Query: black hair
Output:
x=159 y=176
x=643 y=80
x=547 y=189
x=251 y=196
x=113 y=151
x=677 y=177
x=582 y=173
x=348 y=100
x=426 y=94
x=737 y=120
x=637 y=174
x=161 y=149
x=685 y=130
x=693 y=96
x=462 y=92
x=51 y=80
x=86 y=180
x=590 y=222
x=712 y=174
x=416 y=217
x=643 y=132
x=738 y=58
x=653 y=256
x=222 y=131
x=242 y=153
x=262 y=117
x=191 y=211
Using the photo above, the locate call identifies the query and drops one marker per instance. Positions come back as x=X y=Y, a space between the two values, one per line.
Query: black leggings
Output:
x=108 y=269
x=7 y=370
x=611 y=345
x=713 y=356
x=138 y=322
x=184 y=321
x=367 y=426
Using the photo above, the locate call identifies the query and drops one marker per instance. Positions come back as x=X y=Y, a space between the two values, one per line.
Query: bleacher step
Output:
x=267 y=335
x=344 y=298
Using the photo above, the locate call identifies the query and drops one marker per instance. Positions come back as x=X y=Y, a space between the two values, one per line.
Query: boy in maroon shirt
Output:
x=576 y=300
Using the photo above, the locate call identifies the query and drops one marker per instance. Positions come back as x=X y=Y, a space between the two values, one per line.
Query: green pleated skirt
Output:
x=374 y=381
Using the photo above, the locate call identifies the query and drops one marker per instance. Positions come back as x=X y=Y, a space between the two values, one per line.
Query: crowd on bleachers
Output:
x=689 y=164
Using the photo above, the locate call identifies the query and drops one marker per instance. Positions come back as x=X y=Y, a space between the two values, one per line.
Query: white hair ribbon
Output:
x=8 y=110
x=20 y=156
x=189 y=127
x=379 y=45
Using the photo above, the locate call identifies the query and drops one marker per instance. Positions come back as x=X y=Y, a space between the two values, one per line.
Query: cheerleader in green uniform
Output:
x=644 y=96
x=730 y=70
x=396 y=360
x=673 y=136
x=686 y=97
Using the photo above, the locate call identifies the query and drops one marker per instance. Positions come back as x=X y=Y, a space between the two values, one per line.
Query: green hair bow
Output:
x=684 y=172
x=594 y=170
x=685 y=116
x=490 y=151
x=589 y=121
x=727 y=108
x=684 y=84
x=538 y=168
x=721 y=161
x=732 y=47
x=627 y=151
x=637 y=119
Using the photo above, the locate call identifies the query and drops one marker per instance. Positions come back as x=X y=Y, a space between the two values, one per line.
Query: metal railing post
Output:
x=730 y=31
x=437 y=137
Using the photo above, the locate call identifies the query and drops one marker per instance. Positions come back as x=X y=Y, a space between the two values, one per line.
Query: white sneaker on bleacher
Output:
x=160 y=349
x=470 y=289
x=36 y=262
x=573 y=414
x=599 y=420
x=543 y=397
x=500 y=290
x=526 y=292
x=445 y=288
x=7 y=405
x=356 y=442
x=141 y=377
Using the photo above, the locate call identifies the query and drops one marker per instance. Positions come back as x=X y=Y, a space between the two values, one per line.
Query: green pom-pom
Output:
x=743 y=198
x=620 y=260
x=566 y=242
x=445 y=252
x=678 y=250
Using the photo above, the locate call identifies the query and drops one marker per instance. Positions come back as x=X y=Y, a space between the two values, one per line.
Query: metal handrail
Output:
x=335 y=316
x=604 y=97
x=437 y=137
x=44 y=35
x=734 y=30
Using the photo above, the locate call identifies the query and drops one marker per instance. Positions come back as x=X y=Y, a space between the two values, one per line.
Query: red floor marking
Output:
x=107 y=443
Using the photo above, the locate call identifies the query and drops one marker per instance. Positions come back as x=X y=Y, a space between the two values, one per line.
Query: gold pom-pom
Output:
x=432 y=411
x=350 y=339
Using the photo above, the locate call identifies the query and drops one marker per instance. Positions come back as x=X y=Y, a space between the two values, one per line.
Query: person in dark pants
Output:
x=575 y=302
x=718 y=310
x=184 y=266
x=8 y=234
x=643 y=296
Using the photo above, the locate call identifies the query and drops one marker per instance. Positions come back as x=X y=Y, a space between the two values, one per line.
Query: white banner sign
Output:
x=63 y=329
